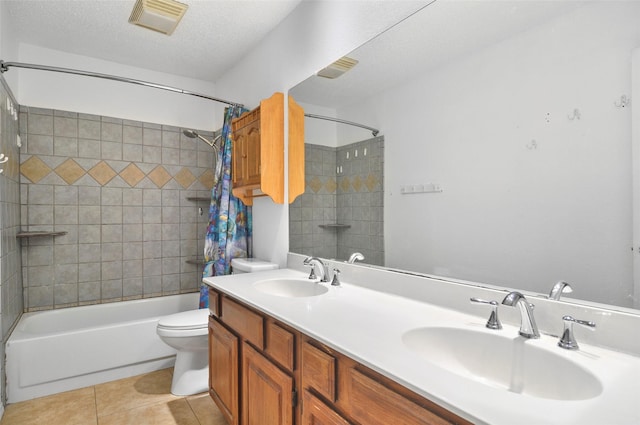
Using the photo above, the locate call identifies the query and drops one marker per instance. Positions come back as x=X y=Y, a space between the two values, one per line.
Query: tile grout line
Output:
x=95 y=404
x=195 y=414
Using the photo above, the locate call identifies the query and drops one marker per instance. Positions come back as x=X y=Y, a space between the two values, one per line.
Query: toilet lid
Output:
x=192 y=319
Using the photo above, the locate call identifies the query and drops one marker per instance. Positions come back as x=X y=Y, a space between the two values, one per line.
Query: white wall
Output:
x=8 y=44
x=511 y=215
x=110 y=98
x=319 y=131
x=313 y=36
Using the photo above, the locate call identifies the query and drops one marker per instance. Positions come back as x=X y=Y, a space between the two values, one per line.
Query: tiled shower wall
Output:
x=121 y=190
x=316 y=206
x=360 y=199
x=10 y=279
x=343 y=186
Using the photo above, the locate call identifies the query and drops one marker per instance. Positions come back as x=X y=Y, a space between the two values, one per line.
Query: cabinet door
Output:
x=315 y=412
x=370 y=402
x=239 y=157
x=223 y=370
x=267 y=392
x=252 y=164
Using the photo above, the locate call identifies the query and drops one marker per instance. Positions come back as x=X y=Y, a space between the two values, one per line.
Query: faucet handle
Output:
x=307 y=262
x=312 y=275
x=568 y=341
x=335 y=281
x=494 y=321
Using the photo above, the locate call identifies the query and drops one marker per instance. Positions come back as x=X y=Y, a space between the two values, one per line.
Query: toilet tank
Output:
x=250 y=265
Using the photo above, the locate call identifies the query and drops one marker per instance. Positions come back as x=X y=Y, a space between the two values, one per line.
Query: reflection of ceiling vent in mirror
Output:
x=158 y=15
x=338 y=68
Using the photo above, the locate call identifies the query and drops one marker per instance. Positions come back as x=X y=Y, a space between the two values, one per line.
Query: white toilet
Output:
x=250 y=265
x=187 y=332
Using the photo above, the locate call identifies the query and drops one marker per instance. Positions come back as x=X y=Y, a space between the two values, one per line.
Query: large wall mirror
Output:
x=505 y=146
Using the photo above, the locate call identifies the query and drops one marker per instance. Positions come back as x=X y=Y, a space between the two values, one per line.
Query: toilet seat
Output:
x=184 y=324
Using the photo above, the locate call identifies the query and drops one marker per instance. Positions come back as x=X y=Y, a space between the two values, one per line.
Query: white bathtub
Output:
x=60 y=350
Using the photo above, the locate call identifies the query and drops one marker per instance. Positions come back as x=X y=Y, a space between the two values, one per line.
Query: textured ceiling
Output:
x=212 y=36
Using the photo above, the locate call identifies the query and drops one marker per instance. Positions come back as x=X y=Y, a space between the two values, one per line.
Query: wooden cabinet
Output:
x=369 y=401
x=257 y=159
x=267 y=391
x=223 y=370
x=246 y=151
x=257 y=167
x=319 y=371
x=274 y=363
x=244 y=321
x=296 y=150
x=281 y=345
x=349 y=391
x=315 y=412
x=253 y=350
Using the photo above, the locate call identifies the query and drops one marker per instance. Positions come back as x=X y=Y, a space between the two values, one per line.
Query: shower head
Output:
x=192 y=135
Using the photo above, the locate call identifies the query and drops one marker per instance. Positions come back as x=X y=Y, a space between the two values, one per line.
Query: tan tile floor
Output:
x=139 y=400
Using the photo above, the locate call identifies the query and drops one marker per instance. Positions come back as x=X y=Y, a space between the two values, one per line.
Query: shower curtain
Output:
x=229 y=234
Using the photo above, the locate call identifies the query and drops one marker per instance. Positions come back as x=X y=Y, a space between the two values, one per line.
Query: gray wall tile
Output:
x=122 y=242
x=40 y=124
x=89 y=129
x=111 y=132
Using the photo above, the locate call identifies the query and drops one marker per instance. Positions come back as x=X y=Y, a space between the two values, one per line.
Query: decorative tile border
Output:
x=35 y=169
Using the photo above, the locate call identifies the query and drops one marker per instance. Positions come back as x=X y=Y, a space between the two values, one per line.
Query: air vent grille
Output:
x=158 y=15
x=338 y=68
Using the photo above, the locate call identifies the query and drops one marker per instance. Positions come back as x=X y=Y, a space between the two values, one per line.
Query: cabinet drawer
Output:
x=248 y=324
x=280 y=343
x=372 y=403
x=214 y=302
x=319 y=371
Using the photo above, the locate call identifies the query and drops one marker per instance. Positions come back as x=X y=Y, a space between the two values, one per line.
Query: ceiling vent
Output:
x=337 y=68
x=158 y=15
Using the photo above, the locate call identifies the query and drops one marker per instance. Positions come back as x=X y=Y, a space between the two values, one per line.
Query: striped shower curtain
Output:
x=230 y=229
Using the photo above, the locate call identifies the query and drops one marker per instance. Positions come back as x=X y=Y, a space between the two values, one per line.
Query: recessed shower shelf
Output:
x=22 y=235
x=336 y=226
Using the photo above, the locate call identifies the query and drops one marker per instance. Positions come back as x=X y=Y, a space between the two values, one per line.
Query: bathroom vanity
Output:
x=276 y=365
x=385 y=348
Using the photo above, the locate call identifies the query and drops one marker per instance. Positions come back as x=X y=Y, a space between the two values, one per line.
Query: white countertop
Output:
x=368 y=325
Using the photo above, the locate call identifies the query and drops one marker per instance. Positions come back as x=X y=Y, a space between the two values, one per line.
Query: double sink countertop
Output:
x=371 y=327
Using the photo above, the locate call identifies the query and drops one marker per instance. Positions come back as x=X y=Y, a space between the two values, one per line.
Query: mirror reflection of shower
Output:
x=216 y=163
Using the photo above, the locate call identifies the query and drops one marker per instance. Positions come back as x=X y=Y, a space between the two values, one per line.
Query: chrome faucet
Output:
x=528 y=327
x=558 y=289
x=323 y=268
x=356 y=256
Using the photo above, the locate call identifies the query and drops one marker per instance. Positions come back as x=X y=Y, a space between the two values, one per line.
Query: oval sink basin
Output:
x=292 y=288
x=511 y=363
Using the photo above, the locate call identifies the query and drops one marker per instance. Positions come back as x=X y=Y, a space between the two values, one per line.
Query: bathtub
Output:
x=60 y=350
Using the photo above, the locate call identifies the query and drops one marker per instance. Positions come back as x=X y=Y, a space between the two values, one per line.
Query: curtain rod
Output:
x=373 y=131
x=4 y=67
